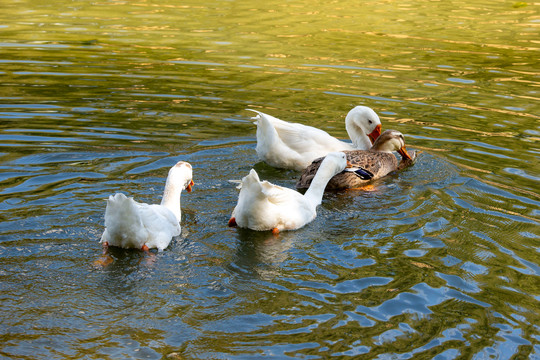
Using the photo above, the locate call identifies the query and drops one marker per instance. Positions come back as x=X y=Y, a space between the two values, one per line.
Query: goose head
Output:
x=182 y=174
x=360 y=122
x=336 y=162
x=332 y=164
x=179 y=178
x=391 y=140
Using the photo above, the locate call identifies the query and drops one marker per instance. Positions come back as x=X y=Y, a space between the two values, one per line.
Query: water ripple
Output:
x=437 y=261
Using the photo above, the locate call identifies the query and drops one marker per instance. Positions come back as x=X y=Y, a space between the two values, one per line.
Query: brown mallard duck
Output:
x=366 y=165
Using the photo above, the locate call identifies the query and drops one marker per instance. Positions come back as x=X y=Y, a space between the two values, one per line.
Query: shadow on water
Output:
x=261 y=253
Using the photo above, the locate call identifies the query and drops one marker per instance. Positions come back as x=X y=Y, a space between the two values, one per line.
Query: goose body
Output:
x=130 y=224
x=366 y=165
x=288 y=145
x=265 y=206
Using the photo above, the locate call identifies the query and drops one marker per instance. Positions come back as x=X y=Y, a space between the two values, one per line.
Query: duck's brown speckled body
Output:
x=379 y=161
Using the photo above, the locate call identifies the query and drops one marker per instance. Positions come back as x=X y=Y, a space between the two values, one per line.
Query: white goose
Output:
x=130 y=224
x=264 y=206
x=294 y=146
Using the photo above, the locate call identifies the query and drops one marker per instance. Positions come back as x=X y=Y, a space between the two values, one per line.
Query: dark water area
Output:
x=439 y=261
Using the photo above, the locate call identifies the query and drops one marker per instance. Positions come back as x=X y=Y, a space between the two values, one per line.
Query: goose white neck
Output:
x=359 y=138
x=359 y=122
x=171 y=197
x=328 y=168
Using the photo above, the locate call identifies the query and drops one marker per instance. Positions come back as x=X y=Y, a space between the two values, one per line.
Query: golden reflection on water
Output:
x=439 y=260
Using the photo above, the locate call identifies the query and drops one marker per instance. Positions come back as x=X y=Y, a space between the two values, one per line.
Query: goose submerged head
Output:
x=391 y=140
x=337 y=161
x=364 y=119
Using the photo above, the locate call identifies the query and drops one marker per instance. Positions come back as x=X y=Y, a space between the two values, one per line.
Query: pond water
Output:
x=440 y=261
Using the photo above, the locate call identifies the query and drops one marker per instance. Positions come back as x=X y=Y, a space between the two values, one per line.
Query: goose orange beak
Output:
x=375 y=133
x=404 y=154
x=349 y=165
x=188 y=188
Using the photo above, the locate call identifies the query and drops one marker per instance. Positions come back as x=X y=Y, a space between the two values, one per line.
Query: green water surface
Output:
x=440 y=261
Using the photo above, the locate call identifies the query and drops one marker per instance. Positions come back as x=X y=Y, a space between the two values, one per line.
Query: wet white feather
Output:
x=265 y=206
x=294 y=146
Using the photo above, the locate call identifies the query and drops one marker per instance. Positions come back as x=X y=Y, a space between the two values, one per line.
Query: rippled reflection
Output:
x=438 y=261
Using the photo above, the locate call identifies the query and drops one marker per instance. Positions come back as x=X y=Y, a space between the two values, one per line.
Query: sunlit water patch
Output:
x=437 y=261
